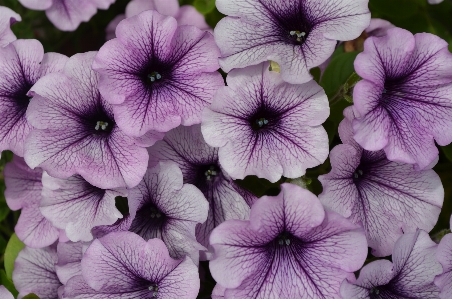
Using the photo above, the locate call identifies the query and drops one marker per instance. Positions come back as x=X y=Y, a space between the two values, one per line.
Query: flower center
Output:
x=300 y=36
x=358 y=173
x=154 y=76
x=155 y=289
x=261 y=122
x=155 y=213
x=101 y=125
x=284 y=239
x=211 y=172
x=374 y=293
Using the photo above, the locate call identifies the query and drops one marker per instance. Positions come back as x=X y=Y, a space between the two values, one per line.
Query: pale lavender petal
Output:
x=7 y=18
x=5 y=294
x=444 y=256
x=34 y=272
x=165 y=7
x=69 y=260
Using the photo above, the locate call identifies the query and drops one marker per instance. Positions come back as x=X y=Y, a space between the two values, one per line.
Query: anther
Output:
x=101 y=125
x=210 y=172
x=261 y=122
x=154 y=76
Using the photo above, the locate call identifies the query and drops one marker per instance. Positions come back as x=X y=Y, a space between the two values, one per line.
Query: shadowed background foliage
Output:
x=414 y=15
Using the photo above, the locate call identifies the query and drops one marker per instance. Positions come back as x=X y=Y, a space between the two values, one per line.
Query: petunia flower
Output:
x=157 y=75
x=404 y=102
x=265 y=126
x=7 y=18
x=290 y=248
x=168 y=209
x=76 y=206
x=297 y=34
x=23 y=191
x=75 y=132
x=22 y=63
x=218 y=292
x=409 y=275
x=123 y=265
x=200 y=166
x=34 y=272
x=435 y=1
x=387 y=198
x=67 y=15
x=185 y=15
x=444 y=256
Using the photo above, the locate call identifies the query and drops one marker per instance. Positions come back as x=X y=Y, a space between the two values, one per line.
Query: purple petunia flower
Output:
x=158 y=75
x=69 y=260
x=76 y=206
x=5 y=294
x=123 y=265
x=265 y=126
x=444 y=256
x=404 y=102
x=297 y=34
x=290 y=248
x=185 y=15
x=200 y=167
x=218 y=292
x=409 y=275
x=75 y=132
x=168 y=209
x=22 y=63
x=23 y=191
x=7 y=18
x=34 y=272
x=435 y=1
x=387 y=198
x=67 y=15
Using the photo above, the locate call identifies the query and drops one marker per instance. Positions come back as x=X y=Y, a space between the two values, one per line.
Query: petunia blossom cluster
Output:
x=130 y=162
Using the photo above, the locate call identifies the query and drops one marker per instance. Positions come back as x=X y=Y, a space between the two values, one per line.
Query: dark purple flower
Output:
x=34 y=272
x=404 y=102
x=75 y=132
x=387 y=198
x=297 y=34
x=200 y=167
x=23 y=191
x=22 y=63
x=158 y=75
x=185 y=15
x=123 y=265
x=409 y=275
x=7 y=18
x=290 y=248
x=168 y=209
x=444 y=256
x=265 y=126
x=67 y=15
x=76 y=206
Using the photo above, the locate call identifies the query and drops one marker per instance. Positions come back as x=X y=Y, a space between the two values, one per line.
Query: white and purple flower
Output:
x=7 y=18
x=200 y=166
x=166 y=208
x=290 y=248
x=157 y=75
x=265 y=126
x=297 y=34
x=75 y=131
x=404 y=103
x=409 y=275
x=22 y=63
x=67 y=15
x=123 y=265
x=387 y=198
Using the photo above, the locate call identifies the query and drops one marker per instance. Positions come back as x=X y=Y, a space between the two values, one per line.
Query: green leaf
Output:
x=204 y=6
x=395 y=8
x=447 y=150
x=337 y=72
x=5 y=281
x=31 y=296
x=12 y=250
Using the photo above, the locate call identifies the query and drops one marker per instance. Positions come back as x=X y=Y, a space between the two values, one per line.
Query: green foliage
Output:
x=7 y=283
x=31 y=296
x=204 y=6
x=12 y=251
